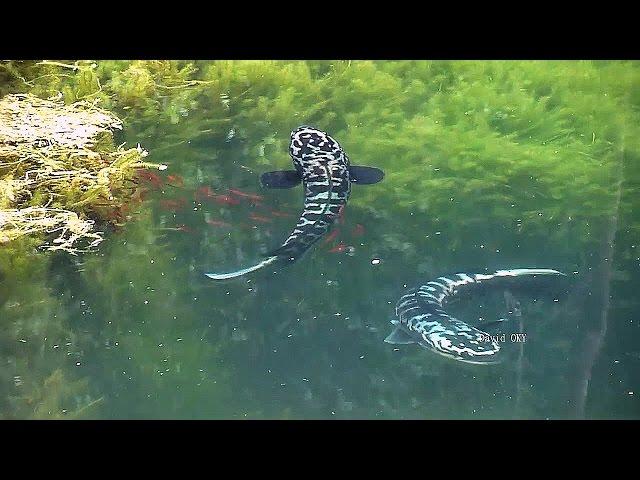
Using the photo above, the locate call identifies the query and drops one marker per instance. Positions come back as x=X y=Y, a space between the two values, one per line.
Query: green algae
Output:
x=525 y=130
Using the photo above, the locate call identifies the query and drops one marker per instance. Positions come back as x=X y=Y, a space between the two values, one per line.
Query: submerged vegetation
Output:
x=60 y=172
x=496 y=164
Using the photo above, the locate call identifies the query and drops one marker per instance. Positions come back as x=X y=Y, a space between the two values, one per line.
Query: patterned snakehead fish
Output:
x=323 y=168
x=422 y=319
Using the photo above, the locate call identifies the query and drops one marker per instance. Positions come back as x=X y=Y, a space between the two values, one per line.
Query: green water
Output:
x=488 y=165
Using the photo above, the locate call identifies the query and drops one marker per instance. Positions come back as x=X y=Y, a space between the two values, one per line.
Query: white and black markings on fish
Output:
x=421 y=317
x=323 y=168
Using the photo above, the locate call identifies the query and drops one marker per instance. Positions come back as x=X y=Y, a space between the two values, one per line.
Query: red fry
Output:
x=341 y=215
x=276 y=213
x=150 y=177
x=204 y=192
x=143 y=194
x=341 y=247
x=173 y=205
x=175 y=180
x=250 y=196
x=218 y=223
x=225 y=200
x=259 y=218
x=358 y=230
x=331 y=236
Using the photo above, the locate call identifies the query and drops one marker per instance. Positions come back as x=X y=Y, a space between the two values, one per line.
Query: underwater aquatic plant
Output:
x=59 y=170
x=31 y=220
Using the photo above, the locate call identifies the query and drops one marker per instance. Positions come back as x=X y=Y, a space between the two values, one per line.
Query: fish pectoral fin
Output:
x=400 y=337
x=365 y=175
x=280 y=179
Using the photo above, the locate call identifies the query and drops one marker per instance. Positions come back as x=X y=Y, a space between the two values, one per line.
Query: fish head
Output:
x=309 y=142
x=462 y=342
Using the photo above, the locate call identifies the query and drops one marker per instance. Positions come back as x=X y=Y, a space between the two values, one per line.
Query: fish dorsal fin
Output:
x=427 y=299
x=492 y=327
x=365 y=175
x=280 y=179
x=400 y=337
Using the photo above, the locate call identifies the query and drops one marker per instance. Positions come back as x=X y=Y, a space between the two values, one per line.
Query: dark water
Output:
x=135 y=330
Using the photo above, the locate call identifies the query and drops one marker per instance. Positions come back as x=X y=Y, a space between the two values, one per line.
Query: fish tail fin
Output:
x=243 y=271
x=518 y=272
x=286 y=252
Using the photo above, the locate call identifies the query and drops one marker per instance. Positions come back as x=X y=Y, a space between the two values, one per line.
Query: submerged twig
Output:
x=186 y=84
x=595 y=340
x=59 y=64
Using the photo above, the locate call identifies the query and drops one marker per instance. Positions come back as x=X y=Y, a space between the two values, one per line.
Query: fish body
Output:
x=422 y=319
x=324 y=169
